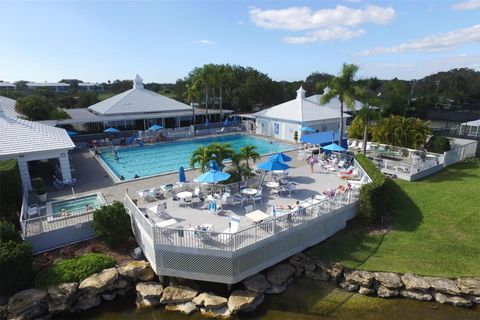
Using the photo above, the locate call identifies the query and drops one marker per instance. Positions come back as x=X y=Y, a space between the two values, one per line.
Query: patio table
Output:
x=257 y=216
x=249 y=191
x=184 y=194
x=272 y=184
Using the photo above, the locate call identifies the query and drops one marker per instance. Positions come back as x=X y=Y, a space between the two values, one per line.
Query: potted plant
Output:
x=40 y=189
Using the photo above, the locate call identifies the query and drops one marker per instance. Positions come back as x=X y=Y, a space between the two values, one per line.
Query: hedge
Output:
x=112 y=224
x=373 y=196
x=10 y=189
x=438 y=144
x=73 y=270
x=16 y=266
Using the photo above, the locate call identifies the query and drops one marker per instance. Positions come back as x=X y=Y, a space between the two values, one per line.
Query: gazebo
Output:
x=471 y=128
x=26 y=141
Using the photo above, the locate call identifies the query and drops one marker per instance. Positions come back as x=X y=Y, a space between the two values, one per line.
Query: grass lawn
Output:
x=436 y=229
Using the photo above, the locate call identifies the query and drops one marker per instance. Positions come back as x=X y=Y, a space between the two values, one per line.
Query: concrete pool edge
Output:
x=117 y=180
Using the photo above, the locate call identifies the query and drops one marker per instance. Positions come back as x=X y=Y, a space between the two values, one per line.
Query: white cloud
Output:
x=420 y=68
x=303 y=18
x=467 y=5
x=328 y=34
x=207 y=42
x=439 y=42
x=241 y=22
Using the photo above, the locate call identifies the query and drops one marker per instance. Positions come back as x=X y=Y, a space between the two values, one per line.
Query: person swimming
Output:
x=136 y=176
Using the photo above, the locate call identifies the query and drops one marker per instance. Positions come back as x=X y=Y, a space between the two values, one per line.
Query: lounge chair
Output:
x=234 y=225
x=220 y=131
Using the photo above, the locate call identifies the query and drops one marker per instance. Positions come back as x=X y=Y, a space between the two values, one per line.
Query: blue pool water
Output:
x=156 y=159
x=76 y=205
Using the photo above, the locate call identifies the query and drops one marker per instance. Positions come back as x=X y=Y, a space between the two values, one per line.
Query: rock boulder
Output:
x=137 y=270
x=413 y=282
x=443 y=285
x=28 y=304
x=453 y=300
x=384 y=292
x=361 y=278
x=319 y=274
x=302 y=263
x=421 y=296
x=148 y=294
x=469 y=285
x=244 y=301
x=178 y=294
x=99 y=282
x=187 y=307
x=389 y=279
x=210 y=300
x=366 y=291
x=257 y=283
x=335 y=271
x=60 y=296
x=348 y=286
x=279 y=274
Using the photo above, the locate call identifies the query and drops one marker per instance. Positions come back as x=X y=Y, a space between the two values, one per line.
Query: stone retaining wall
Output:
x=184 y=296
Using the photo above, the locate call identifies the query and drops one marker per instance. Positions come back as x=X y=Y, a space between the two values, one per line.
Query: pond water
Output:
x=304 y=300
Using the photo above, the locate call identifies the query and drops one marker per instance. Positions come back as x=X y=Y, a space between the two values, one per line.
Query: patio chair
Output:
x=291 y=187
x=187 y=201
x=33 y=211
x=248 y=209
x=214 y=208
x=257 y=197
x=239 y=198
x=233 y=225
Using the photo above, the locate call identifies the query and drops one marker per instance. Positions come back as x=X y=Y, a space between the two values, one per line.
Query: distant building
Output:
x=53 y=86
x=88 y=86
x=7 y=86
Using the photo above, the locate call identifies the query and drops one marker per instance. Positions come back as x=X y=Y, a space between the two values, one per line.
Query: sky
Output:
x=163 y=41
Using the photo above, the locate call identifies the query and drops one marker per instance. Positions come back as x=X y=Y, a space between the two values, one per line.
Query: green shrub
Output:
x=373 y=196
x=8 y=232
x=73 y=270
x=112 y=224
x=16 y=266
x=438 y=144
x=10 y=189
x=39 y=186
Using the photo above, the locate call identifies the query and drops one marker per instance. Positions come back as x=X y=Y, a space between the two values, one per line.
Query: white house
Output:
x=52 y=86
x=7 y=86
x=283 y=120
x=26 y=141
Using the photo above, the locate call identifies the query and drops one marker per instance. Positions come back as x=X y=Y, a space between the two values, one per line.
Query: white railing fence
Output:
x=230 y=242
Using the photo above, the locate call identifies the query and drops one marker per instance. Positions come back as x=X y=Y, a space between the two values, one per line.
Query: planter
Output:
x=42 y=197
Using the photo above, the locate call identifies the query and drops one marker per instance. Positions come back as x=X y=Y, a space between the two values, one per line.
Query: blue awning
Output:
x=323 y=138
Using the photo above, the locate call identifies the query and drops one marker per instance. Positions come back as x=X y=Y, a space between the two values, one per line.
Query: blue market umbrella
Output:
x=212 y=176
x=333 y=147
x=235 y=119
x=111 y=130
x=307 y=129
x=272 y=165
x=71 y=133
x=280 y=157
x=212 y=164
x=226 y=122
x=207 y=122
x=181 y=175
x=155 y=127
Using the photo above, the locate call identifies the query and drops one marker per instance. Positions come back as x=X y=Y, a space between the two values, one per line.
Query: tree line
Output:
x=245 y=89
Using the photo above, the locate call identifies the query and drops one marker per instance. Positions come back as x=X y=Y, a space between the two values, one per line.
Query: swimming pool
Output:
x=150 y=160
x=75 y=205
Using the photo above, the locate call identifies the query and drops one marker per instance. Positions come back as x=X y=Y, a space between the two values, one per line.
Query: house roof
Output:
x=138 y=100
x=47 y=84
x=21 y=136
x=300 y=109
x=6 y=84
x=474 y=123
x=8 y=106
x=87 y=84
x=334 y=103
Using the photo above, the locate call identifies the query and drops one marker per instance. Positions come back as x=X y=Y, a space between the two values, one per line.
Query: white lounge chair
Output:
x=220 y=131
x=234 y=225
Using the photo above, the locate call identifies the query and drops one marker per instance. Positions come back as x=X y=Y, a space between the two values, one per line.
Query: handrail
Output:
x=214 y=240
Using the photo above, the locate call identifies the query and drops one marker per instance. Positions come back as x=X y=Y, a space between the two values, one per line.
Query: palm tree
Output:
x=192 y=94
x=367 y=113
x=422 y=130
x=201 y=156
x=238 y=169
x=220 y=152
x=249 y=152
x=343 y=86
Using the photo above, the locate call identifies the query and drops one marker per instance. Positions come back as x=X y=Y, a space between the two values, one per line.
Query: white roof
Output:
x=8 y=106
x=21 y=136
x=334 y=103
x=87 y=84
x=138 y=100
x=47 y=84
x=474 y=123
x=6 y=84
x=299 y=109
